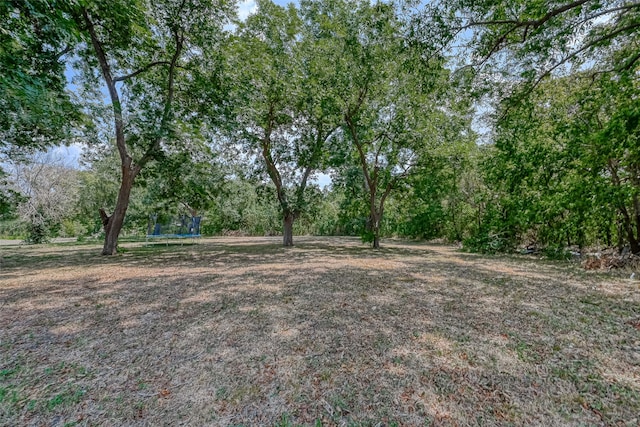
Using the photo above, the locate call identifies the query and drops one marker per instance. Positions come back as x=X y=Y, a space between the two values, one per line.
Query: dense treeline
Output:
x=495 y=124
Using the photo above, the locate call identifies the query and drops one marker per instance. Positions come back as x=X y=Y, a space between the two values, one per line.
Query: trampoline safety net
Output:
x=181 y=226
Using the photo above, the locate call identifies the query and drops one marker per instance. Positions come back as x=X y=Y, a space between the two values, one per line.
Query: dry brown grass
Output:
x=239 y=331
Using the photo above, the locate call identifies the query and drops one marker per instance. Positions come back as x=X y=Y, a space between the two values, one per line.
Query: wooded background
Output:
x=496 y=124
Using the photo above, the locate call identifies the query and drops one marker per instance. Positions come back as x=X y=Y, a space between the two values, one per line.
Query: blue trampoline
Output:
x=180 y=227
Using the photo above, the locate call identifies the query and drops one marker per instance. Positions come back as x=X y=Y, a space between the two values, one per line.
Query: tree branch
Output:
x=63 y=52
x=168 y=104
x=363 y=157
x=113 y=92
x=530 y=23
x=141 y=70
x=582 y=49
x=608 y=11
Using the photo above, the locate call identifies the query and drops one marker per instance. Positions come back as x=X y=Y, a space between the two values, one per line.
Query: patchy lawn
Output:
x=243 y=332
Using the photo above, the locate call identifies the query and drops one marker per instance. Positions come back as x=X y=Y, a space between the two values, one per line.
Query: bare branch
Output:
x=63 y=52
x=626 y=7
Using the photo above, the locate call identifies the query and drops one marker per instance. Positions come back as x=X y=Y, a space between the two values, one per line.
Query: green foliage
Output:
x=98 y=187
x=9 y=198
x=525 y=41
x=243 y=207
x=36 y=110
x=38 y=232
x=204 y=118
x=486 y=240
x=394 y=112
x=557 y=252
x=564 y=129
x=281 y=110
x=184 y=181
x=562 y=168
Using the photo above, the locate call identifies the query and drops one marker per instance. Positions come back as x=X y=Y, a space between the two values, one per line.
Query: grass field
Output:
x=244 y=332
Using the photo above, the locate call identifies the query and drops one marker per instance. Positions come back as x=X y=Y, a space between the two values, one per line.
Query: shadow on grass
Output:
x=243 y=333
x=32 y=259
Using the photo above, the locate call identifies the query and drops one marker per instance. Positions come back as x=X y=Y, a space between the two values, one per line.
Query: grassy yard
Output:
x=244 y=332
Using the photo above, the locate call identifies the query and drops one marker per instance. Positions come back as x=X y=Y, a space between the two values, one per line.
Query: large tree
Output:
x=49 y=190
x=143 y=54
x=281 y=107
x=564 y=168
x=390 y=96
x=551 y=67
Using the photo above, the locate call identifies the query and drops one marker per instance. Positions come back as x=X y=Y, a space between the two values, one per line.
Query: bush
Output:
x=12 y=229
x=37 y=232
x=488 y=242
x=72 y=229
x=556 y=252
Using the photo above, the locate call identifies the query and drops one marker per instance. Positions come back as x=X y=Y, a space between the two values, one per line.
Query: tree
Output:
x=143 y=54
x=604 y=135
x=9 y=197
x=281 y=111
x=389 y=107
x=563 y=169
x=184 y=180
x=99 y=182
x=441 y=198
x=532 y=39
x=35 y=39
x=553 y=69
x=49 y=192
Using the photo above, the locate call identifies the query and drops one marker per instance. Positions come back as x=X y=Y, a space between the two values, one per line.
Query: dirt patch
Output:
x=240 y=331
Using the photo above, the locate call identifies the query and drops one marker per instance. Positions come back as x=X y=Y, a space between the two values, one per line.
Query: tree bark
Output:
x=376 y=241
x=634 y=244
x=374 y=228
x=113 y=224
x=287 y=229
x=634 y=238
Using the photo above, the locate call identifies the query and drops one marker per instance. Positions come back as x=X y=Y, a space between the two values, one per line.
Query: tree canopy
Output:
x=181 y=105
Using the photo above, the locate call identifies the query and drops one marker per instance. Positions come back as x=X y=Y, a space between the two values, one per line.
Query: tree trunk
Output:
x=287 y=227
x=608 y=235
x=113 y=224
x=375 y=229
x=634 y=244
x=634 y=238
x=376 y=240
x=628 y=227
x=620 y=229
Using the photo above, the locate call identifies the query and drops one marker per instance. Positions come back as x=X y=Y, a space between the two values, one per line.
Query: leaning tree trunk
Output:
x=287 y=228
x=113 y=224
